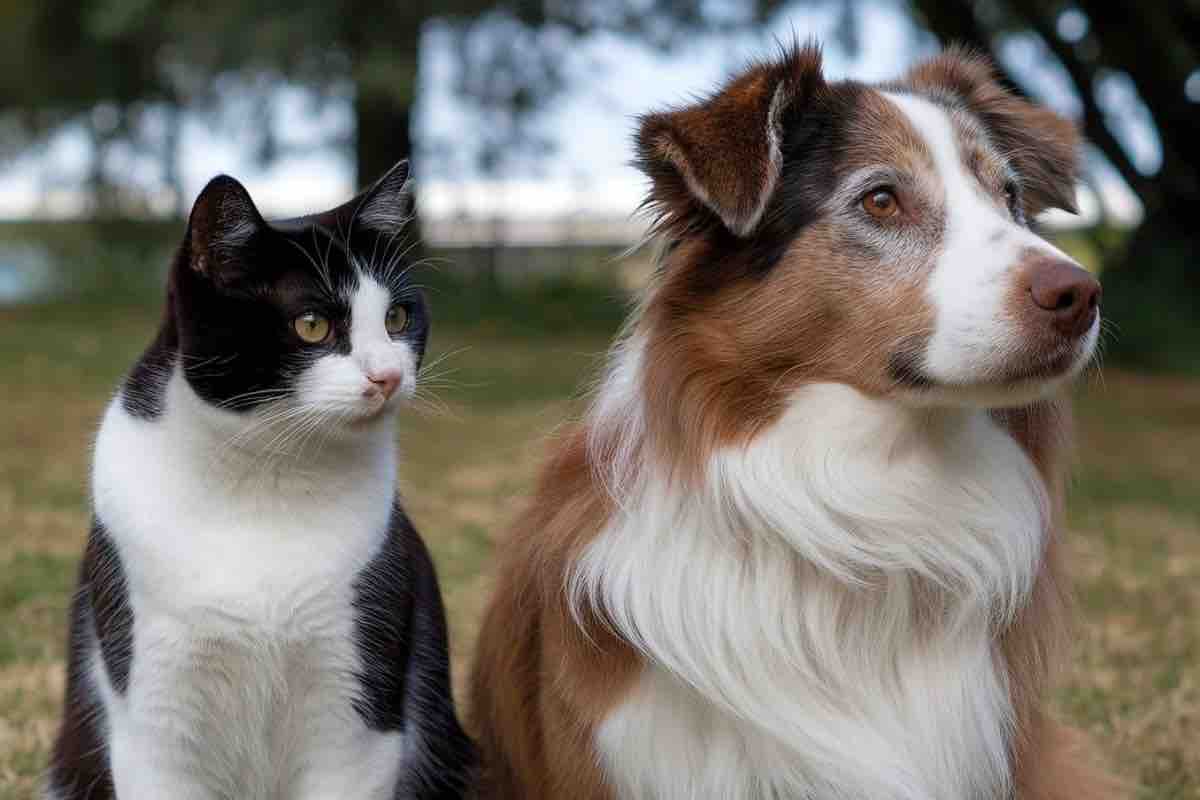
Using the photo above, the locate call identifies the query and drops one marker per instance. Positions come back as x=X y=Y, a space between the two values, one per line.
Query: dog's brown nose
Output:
x=1067 y=292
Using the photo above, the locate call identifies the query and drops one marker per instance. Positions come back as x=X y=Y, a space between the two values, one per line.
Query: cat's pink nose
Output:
x=384 y=381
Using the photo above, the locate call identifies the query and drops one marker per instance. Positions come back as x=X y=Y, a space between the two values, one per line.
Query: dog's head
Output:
x=877 y=236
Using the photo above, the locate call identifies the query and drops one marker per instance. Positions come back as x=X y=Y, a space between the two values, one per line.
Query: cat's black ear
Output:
x=382 y=209
x=221 y=231
x=387 y=205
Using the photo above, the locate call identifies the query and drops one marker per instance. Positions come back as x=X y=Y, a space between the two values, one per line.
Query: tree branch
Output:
x=1159 y=72
x=1084 y=77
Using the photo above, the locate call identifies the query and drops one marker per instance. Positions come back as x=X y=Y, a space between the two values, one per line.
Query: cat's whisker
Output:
x=322 y=272
x=430 y=364
x=431 y=405
x=328 y=430
x=277 y=450
x=283 y=440
x=252 y=397
x=388 y=248
x=262 y=425
x=320 y=426
x=434 y=377
x=399 y=279
x=398 y=257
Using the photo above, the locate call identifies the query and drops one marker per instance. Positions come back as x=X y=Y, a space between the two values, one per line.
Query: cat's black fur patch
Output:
x=100 y=617
x=239 y=281
x=405 y=680
x=79 y=763
x=142 y=390
x=103 y=578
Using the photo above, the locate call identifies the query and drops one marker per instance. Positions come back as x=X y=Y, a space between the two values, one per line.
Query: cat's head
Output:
x=314 y=316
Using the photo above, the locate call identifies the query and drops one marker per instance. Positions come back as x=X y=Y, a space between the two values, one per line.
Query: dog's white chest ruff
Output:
x=821 y=620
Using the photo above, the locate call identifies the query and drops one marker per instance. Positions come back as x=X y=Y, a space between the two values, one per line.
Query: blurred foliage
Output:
x=112 y=66
x=548 y=305
x=520 y=291
x=123 y=70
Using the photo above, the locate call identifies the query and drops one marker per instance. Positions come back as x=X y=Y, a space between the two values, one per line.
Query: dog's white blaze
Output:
x=980 y=252
x=779 y=609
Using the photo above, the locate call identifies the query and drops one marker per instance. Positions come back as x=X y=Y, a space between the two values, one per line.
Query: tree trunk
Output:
x=383 y=99
x=382 y=134
x=387 y=59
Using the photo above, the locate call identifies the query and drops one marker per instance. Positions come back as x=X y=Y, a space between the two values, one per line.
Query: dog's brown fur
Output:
x=543 y=682
x=722 y=358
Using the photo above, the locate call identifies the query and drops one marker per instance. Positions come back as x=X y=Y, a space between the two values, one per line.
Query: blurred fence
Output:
x=46 y=259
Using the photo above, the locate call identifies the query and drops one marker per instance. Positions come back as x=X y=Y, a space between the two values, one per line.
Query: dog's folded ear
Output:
x=723 y=154
x=1043 y=146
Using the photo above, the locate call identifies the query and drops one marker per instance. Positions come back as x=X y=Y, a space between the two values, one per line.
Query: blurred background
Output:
x=517 y=117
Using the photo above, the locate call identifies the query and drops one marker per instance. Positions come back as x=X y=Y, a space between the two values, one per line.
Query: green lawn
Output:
x=469 y=458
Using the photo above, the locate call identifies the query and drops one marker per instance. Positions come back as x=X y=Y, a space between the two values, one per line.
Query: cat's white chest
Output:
x=198 y=532
x=251 y=711
x=245 y=670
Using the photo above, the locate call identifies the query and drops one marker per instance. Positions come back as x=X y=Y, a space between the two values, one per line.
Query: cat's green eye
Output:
x=396 y=320
x=311 y=327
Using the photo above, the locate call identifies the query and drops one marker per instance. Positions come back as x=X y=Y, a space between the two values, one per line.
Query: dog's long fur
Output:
x=804 y=544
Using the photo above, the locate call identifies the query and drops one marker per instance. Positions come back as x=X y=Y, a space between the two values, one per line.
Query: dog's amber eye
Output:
x=881 y=203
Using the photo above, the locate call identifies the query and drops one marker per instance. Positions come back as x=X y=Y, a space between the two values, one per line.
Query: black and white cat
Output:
x=257 y=619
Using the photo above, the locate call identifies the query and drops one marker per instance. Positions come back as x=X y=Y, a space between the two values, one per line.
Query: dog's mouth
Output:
x=1052 y=361
x=1027 y=372
x=1042 y=367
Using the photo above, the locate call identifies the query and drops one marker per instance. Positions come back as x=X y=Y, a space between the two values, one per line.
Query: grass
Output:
x=1135 y=515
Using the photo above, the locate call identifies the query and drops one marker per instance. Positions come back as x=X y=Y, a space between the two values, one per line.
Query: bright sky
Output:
x=587 y=172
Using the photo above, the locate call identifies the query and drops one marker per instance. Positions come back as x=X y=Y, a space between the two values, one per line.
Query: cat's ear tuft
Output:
x=386 y=206
x=222 y=227
x=382 y=209
x=723 y=154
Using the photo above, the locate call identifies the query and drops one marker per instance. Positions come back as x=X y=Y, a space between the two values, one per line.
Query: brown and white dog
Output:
x=803 y=544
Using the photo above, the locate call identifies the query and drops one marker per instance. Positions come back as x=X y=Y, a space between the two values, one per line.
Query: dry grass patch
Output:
x=1135 y=520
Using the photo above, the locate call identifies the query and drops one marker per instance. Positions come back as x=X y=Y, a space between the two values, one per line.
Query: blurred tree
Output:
x=1152 y=283
x=123 y=69
x=95 y=65
x=106 y=64
x=370 y=47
